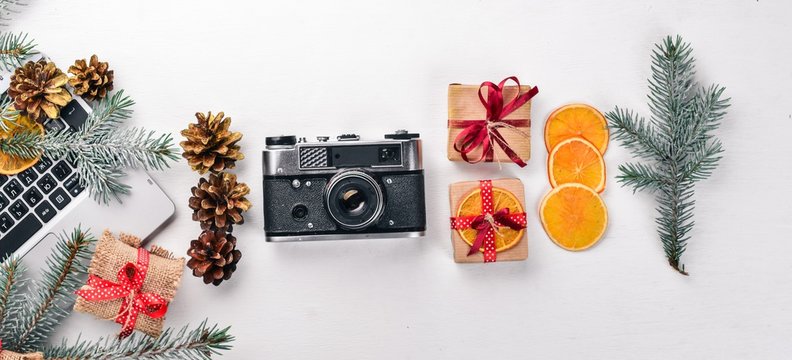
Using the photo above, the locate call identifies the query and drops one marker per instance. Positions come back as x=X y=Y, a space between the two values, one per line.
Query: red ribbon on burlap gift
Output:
x=128 y=287
x=484 y=133
x=488 y=222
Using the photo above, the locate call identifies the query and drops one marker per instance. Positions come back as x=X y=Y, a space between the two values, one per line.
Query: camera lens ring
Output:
x=361 y=195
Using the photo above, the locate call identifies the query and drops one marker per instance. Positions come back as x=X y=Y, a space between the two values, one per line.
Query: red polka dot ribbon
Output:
x=487 y=223
x=128 y=287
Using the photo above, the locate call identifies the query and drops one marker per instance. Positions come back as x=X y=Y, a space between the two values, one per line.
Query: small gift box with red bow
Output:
x=488 y=221
x=129 y=284
x=490 y=122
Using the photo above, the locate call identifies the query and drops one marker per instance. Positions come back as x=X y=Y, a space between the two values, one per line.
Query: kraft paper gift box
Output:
x=500 y=190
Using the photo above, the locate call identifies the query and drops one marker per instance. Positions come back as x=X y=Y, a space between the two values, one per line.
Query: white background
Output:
x=322 y=68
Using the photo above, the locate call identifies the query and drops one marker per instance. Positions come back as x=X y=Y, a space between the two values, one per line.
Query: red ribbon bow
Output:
x=482 y=133
x=128 y=287
x=488 y=222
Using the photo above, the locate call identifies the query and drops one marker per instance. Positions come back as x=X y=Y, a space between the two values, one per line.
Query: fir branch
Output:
x=199 y=343
x=14 y=48
x=8 y=115
x=637 y=135
x=641 y=176
x=12 y=299
x=51 y=298
x=100 y=149
x=678 y=142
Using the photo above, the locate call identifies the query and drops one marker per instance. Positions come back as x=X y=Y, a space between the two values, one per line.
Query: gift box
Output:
x=10 y=355
x=490 y=122
x=129 y=284
x=488 y=221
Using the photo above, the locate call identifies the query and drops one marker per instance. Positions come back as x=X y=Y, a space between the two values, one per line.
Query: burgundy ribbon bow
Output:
x=128 y=287
x=482 y=133
x=487 y=223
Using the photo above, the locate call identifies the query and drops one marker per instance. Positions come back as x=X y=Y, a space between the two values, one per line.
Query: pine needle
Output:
x=677 y=144
x=199 y=343
x=51 y=298
x=14 y=48
x=100 y=149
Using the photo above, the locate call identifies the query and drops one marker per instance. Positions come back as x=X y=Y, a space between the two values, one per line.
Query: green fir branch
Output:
x=199 y=343
x=52 y=296
x=14 y=48
x=641 y=177
x=100 y=149
x=678 y=142
x=8 y=115
x=12 y=299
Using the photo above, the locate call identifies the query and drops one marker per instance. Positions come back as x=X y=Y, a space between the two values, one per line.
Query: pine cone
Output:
x=209 y=145
x=213 y=256
x=219 y=201
x=91 y=80
x=38 y=89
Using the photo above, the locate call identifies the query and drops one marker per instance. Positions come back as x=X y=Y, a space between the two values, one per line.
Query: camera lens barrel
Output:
x=354 y=199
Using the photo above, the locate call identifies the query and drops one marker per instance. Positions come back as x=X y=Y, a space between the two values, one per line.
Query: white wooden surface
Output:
x=322 y=68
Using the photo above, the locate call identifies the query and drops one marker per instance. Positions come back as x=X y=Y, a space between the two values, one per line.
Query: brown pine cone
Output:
x=219 y=201
x=209 y=145
x=91 y=80
x=213 y=256
x=38 y=89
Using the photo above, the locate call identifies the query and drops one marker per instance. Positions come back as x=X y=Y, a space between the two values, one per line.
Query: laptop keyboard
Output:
x=32 y=198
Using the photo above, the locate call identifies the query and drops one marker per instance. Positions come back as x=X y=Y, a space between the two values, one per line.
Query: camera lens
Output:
x=354 y=199
x=299 y=212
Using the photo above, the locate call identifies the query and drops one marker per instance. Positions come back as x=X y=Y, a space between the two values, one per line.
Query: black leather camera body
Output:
x=344 y=189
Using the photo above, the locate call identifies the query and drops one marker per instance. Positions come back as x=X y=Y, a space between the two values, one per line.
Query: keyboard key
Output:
x=23 y=231
x=3 y=202
x=47 y=183
x=71 y=182
x=13 y=189
x=32 y=197
x=54 y=125
x=74 y=114
x=28 y=176
x=42 y=165
x=3 y=179
x=75 y=190
x=6 y=222
x=60 y=198
x=61 y=170
x=45 y=211
x=18 y=209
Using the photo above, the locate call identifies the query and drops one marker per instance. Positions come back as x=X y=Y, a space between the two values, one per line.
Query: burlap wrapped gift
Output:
x=163 y=277
x=10 y=355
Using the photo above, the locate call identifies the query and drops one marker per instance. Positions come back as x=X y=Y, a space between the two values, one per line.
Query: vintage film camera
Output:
x=346 y=189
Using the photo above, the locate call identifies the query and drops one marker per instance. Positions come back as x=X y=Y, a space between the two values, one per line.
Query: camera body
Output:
x=344 y=189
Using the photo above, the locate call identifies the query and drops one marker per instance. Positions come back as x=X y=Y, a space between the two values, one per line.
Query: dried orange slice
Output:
x=505 y=237
x=574 y=216
x=576 y=120
x=576 y=160
x=11 y=165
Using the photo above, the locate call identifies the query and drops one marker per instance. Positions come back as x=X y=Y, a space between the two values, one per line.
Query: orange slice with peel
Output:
x=574 y=216
x=505 y=237
x=575 y=160
x=576 y=120
x=11 y=165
